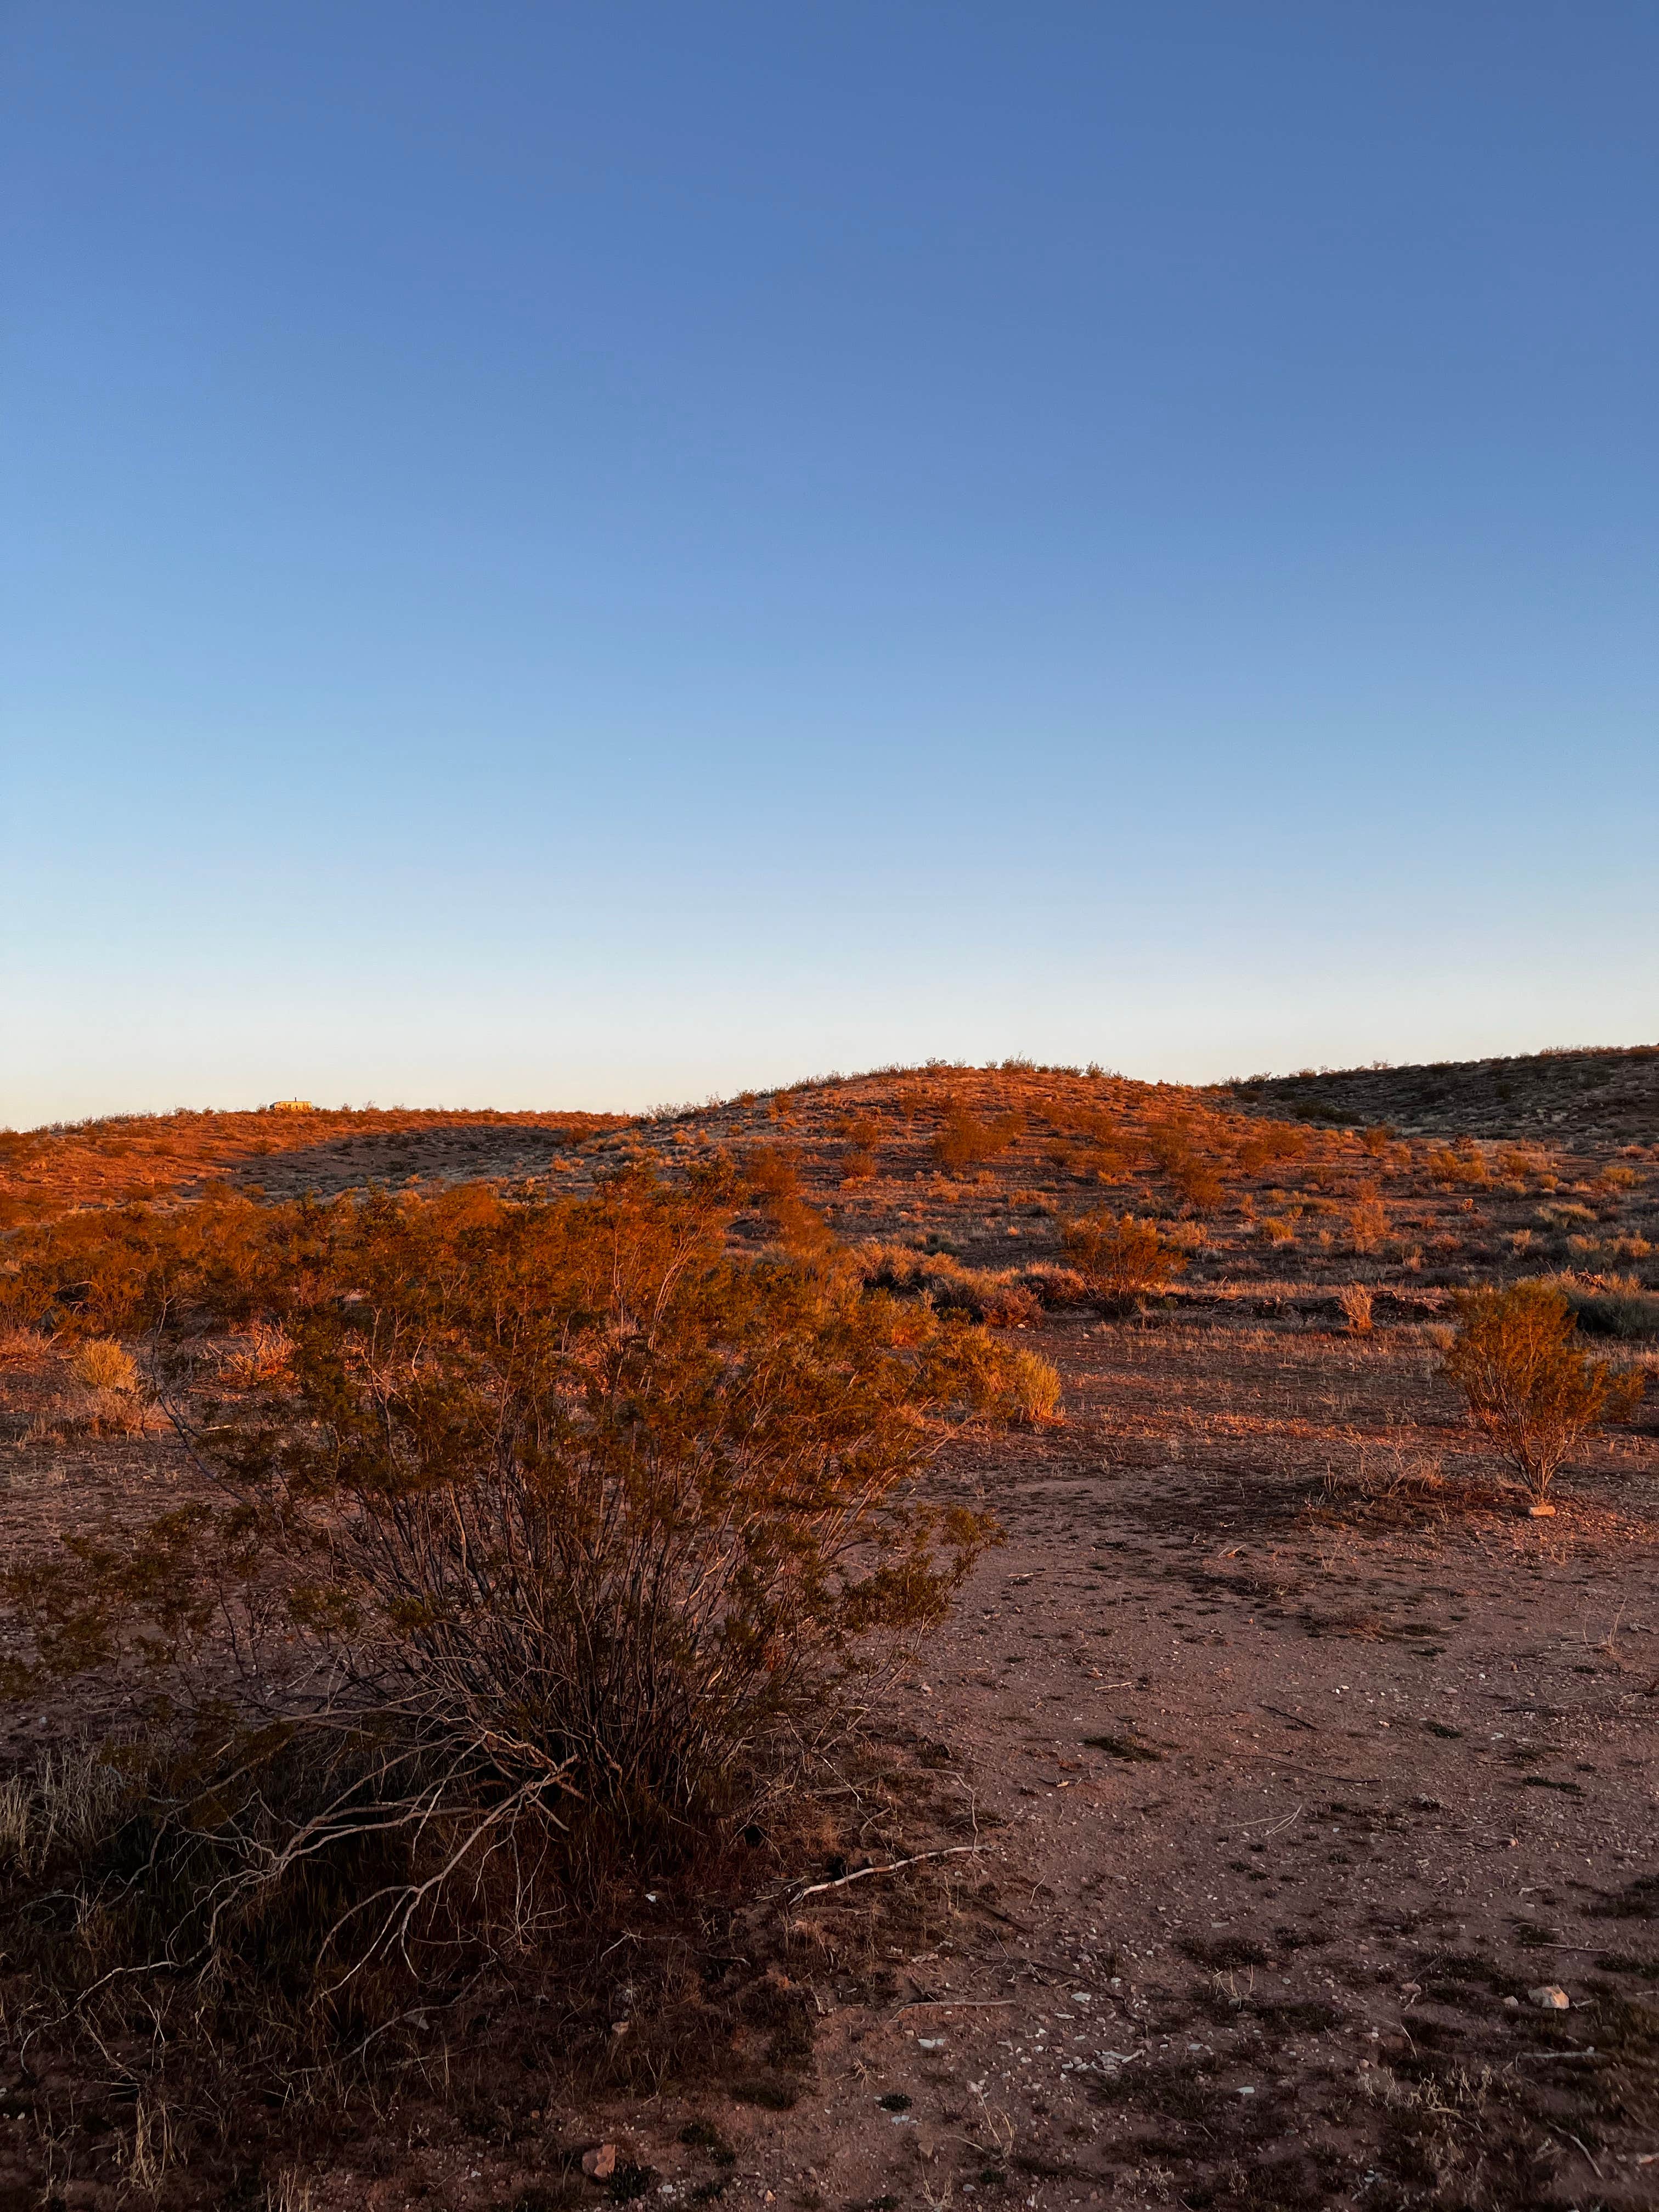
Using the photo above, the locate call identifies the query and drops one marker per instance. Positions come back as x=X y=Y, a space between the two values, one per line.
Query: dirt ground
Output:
x=1266 y=1772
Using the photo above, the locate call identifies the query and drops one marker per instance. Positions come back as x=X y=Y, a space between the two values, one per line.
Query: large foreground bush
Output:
x=530 y=1520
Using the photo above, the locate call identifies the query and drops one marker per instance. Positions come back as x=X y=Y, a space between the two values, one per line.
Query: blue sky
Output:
x=570 y=554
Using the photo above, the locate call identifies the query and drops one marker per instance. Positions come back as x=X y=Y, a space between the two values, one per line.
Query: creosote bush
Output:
x=1529 y=1388
x=860 y=1134
x=1464 y=1164
x=965 y=1141
x=1120 y=1257
x=770 y=1176
x=551 y=1520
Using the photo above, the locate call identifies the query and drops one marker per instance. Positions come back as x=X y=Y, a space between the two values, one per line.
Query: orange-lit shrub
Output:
x=1464 y=1164
x=1269 y=1143
x=555 y=1504
x=1529 y=1388
x=965 y=1141
x=1119 y=1256
x=1368 y=1223
x=859 y=1134
x=980 y=1293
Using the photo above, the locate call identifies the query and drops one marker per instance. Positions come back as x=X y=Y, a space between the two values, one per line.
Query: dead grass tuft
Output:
x=101 y=1365
x=1355 y=1301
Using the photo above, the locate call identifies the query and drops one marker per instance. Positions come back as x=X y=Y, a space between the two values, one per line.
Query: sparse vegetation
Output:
x=234 y=1974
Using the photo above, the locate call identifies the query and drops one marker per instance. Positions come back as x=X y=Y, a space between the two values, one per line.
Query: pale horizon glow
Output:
x=593 y=558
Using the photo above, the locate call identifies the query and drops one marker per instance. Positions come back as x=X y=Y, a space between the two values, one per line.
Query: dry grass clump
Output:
x=1053 y=1285
x=1613 y=1306
x=1120 y=1257
x=100 y=1363
x=1395 y=1482
x=69 y=1801
x=1528 y=1387
x=1368 y=1223
x=1355 y=1301
x=1565 y=1213
x=1464 y=1164
x=997 y=1297
x=104 y=1396
x=19 y=1347
x=261 y=1356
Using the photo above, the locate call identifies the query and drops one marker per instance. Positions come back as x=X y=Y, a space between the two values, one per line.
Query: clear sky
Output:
x=582 y=551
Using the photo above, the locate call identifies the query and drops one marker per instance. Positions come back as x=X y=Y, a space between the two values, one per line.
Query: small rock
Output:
x=600 y=2164
x=1549 y=1996
x=1513 y=2004
x=1542 y=1512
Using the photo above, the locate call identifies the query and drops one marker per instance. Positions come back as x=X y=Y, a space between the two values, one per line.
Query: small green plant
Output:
x=1529 y=1389
x=1120 y=1257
